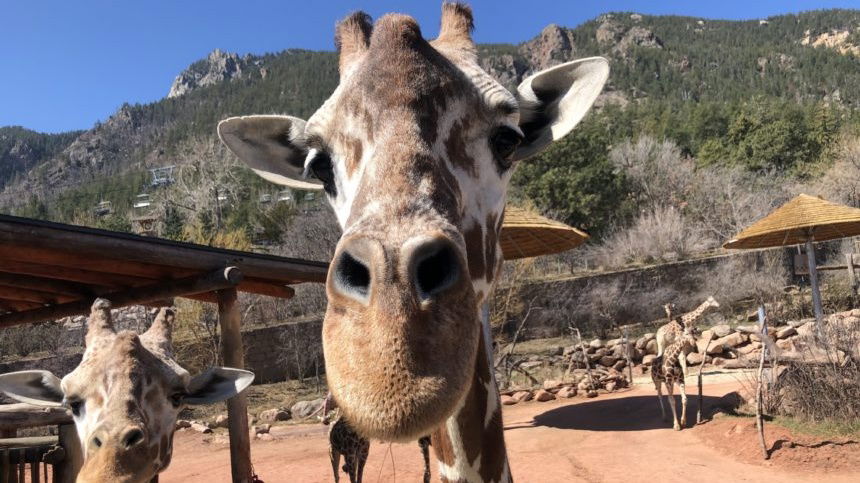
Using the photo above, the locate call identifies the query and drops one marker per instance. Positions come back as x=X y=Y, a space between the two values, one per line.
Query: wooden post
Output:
x=813 y=280
x=67 y=471
x=759 y=420
x=699 y=376
x=237 y=407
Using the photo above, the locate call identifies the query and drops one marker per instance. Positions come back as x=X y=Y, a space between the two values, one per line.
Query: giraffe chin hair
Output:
x=398 y=369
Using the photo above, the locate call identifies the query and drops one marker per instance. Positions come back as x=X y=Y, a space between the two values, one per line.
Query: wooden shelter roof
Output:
x=526 y=235
x=52 y=270
x=804 y=217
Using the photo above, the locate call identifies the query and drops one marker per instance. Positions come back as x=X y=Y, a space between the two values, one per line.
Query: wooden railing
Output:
x=38 y=459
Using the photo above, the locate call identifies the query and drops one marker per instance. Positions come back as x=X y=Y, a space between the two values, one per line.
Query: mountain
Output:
x=660 y=61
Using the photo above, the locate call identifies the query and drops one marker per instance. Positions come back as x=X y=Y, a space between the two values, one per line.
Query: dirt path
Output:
x=617 y=437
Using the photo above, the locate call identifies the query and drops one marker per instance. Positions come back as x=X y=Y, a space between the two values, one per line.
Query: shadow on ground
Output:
x=637 y=413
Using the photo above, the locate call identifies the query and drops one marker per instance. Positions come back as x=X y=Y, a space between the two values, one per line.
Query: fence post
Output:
x=67 y=470
x=237 y=407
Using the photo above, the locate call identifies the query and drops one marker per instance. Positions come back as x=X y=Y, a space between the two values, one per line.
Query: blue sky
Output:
x=67 y=64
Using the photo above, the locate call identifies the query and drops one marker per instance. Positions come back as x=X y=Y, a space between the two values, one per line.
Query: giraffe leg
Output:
x=670 y=383
x=683 y=403
x=361 y=459
x=659 y=385
x=424 y=443
x=334 y=456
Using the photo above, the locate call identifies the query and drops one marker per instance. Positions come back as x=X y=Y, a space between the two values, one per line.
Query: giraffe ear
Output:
x=218 y=384
x=273 y=146
x=553 y=101
x=39 y=388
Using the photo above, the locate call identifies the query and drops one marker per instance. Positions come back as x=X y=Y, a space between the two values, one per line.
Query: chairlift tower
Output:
x=162 y=176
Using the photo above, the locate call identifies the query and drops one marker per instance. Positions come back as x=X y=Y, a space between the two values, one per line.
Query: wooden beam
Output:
x=97 y=244
x=99 y=280
x=43 y=284
x=269 y=289
x=19 y=415
x=216 y=280
x=28 y=441
x=19 y=306
x=35 y=296
x=237 y=407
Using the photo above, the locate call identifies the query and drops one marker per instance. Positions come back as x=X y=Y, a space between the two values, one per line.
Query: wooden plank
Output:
x=218 y=279
x=44 y=284
x=28 y=441
x=97 y=280
x=19 y=415
x=95 y=244
x=35 y=296
x=18 y=305
x=269 y=289
x=237 y=407
x=67 y=470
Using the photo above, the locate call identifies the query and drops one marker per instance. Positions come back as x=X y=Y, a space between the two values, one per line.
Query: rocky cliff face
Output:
x=217 y=67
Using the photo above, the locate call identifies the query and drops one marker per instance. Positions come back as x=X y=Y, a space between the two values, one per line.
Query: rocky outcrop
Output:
x=554 y=45
x=217 y=67
x=838 y=40
x=622 y=38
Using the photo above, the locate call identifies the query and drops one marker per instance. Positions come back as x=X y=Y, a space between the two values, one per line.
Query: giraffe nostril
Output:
x=132 y=437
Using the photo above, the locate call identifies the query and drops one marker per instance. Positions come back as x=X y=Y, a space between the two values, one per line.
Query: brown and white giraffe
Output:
x=666 y=369
x=415 y=149
x=672 y=330
x=125 y=396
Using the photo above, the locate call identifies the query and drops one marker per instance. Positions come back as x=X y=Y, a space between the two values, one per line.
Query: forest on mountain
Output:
x=744 y=109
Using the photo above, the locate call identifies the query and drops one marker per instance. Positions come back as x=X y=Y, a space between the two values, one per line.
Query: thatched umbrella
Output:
x=526 y=235
x=803 y=220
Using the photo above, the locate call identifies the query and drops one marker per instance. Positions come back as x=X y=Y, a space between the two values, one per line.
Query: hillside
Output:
x=681 y=78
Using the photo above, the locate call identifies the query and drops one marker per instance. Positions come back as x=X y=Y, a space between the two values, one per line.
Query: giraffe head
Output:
x=125 y=396
x=414 y=150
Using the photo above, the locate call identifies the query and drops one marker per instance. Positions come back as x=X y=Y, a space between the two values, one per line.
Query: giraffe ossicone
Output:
x=414 y=150
x=125 y=396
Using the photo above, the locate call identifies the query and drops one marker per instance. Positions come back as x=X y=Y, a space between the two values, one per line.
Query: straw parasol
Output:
x=803 y=220
x=526 y=235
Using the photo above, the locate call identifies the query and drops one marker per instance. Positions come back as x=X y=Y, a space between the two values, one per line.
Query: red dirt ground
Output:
x=616 y=437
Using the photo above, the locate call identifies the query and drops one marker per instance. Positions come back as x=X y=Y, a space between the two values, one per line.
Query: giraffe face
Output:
x=414 y=150
x=125 y=397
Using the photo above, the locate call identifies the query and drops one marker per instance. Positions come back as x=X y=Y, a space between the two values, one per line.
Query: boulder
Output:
x=721 y=330
x=785 y=345
x=651 y=347
x=306 y=409
x=747 y=329
x=221 y=421
x=274 y=414
x=620 y=364
x=566 y=392
x=591 y=394
x=607 y=361
x=755 y=337
x=718 y=361
x=543 y=396
x=648 y=359
x=262 y=428
x=265 y=437
x=610 y=386
x=714 y=348
x=640 y=343
x=749 y=348
x=200 y=427
x=730 y=341
x=521 y=396
x=596 y=344
x=694 y=358
x=613 y=342
x=508 y=400
x=182 y=424
x=785 y=332
x=570 y=350
x=552 y=385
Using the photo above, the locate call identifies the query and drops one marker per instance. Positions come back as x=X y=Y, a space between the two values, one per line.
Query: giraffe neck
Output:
x=470 y=446
x=690 y=317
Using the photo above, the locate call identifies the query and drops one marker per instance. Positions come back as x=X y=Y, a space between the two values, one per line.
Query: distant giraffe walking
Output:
x=666 y=369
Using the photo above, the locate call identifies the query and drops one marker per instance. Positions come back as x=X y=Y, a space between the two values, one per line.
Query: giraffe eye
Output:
x=74 y=405
x=321 y=168
x=176 y=399
x=504 y=141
